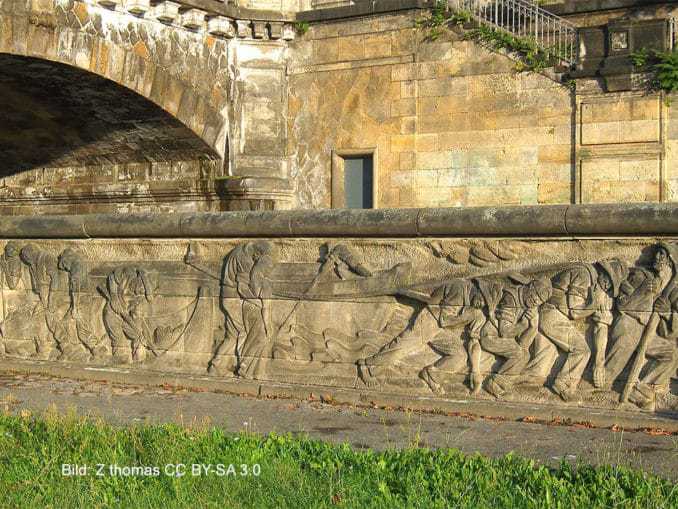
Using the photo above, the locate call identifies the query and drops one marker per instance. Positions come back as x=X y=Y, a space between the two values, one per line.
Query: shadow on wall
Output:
x=57 y=116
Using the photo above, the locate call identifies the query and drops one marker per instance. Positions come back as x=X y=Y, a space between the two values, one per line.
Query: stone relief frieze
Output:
x=582 y=322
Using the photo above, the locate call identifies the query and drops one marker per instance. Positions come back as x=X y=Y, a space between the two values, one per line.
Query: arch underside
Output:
x=71 y=141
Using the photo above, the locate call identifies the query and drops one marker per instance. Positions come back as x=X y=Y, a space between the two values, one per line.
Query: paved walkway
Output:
x=363 y=428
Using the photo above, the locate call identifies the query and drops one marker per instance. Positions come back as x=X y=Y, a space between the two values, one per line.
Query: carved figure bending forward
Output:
x=126 y=290
x=457 y=304
x=647 y=293
x=85 y=344
x=512 y=334
x=11 y=265
x=44 y=273
x=584 y=291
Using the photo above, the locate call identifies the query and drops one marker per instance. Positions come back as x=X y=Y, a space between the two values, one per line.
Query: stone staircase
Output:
x=525 y=20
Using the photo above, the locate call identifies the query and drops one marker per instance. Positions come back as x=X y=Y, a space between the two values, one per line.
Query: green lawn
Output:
x=292 y=472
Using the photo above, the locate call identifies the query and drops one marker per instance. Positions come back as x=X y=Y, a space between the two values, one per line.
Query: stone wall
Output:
x=449 y=122
x=539 y=305
x=626 y=147
x=452 y=123
x=228 y=88
x=72 y=142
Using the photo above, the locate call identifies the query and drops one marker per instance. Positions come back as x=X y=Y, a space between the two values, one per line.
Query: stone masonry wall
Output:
x=229 y=89
x=536 y=305
x=452 y=123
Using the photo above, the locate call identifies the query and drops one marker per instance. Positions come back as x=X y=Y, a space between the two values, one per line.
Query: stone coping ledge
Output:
x=489 y=409
x=568 y=7
x=362 y=8
x=522 y=221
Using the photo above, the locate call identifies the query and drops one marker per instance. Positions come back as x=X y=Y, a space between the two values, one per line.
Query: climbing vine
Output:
x=302 y=27
x=533 y=57
x=441 y=18
x=663 y=66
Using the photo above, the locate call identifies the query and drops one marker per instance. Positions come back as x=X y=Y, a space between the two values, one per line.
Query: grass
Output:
x=294 y=472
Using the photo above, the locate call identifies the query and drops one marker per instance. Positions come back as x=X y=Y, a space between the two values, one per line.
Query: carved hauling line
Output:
x=522 y=325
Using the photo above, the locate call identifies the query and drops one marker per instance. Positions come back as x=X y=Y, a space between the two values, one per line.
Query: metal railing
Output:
x=526 y=20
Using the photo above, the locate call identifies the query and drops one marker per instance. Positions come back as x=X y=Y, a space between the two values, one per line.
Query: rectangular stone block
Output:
x=453 y=177
x=426 y=143
x=377 y=46
x=493 y=195
x=442 y=87
x=403 y=72
x=433 y=160
x=408 y=89
x=619 y=180
x=402 y=143
x=629 y=120
x=403 y=107
x=555 y=153
x=554 y=192
x=406 y=160
x=408 y=125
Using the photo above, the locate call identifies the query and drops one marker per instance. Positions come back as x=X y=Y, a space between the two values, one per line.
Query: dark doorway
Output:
x=358 y=182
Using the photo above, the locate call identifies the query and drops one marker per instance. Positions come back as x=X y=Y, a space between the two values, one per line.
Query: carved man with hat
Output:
x=643 y=327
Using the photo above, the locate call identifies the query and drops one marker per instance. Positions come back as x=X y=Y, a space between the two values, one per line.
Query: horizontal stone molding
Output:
x=605 y=220
x=362 y=9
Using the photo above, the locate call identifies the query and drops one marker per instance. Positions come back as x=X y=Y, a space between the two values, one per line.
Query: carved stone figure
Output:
x=510 y=337
x=11 y=265
x=43 y=269
x=44 y=275
x=246 y=291
x=584 y=291
x=455 y=305
x=644 y=302
x=127 y=290
x=84 y=343
x=417 y=316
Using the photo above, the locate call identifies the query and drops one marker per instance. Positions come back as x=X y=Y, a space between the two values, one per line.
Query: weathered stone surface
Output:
x=188 y=73
x=567 y=320
x=544 y=221
x=448 y=122
x=448 y=100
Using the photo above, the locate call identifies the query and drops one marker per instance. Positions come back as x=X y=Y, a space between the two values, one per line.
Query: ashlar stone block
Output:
x=166 y=11
x=193 y=19
x=221 y=26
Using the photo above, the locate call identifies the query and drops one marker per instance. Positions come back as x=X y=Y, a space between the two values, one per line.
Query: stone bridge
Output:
x=220 y=77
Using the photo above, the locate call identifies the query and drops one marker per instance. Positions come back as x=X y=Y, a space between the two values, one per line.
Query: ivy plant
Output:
x=534 y=58
x=441 y=18
x=663 y=65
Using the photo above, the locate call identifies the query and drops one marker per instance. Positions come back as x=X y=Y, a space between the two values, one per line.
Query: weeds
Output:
x=302 y=27
x=294 y=472
x=662 y=65
x=533 y=57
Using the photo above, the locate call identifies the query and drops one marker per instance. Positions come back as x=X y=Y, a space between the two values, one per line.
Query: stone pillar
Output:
x=258 y=172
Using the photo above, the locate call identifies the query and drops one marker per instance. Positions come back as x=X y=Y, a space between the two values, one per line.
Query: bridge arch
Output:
x=184 y=73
